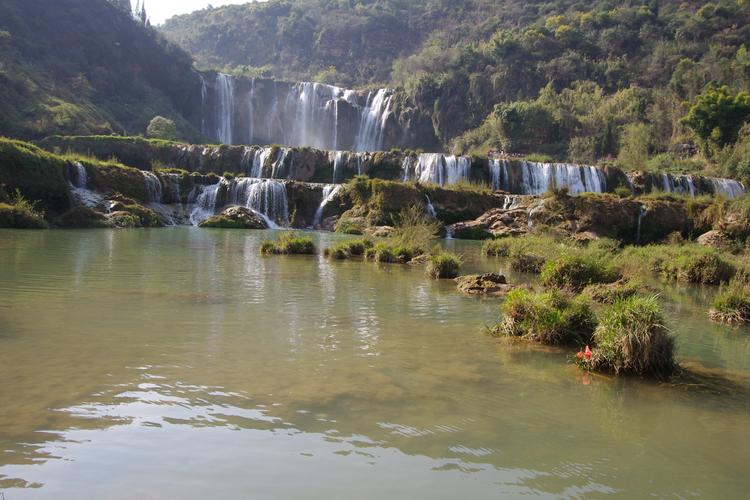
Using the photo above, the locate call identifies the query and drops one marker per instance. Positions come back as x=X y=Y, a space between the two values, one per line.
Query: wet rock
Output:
x=489 y=285
x=379 y=231
x=236 y=218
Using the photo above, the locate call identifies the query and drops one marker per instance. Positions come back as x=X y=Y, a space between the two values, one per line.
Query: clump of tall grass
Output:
x=609 y=293
x=575 y=271
x=550 y=318
x=348 y=249
x=21 y=214
x=732 y=304
x=443 y=265
x=687 y=263
x=631 y=339
x=289 y=244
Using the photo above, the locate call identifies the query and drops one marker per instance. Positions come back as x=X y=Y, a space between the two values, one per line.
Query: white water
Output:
x=537 y=178
x=728 y=188
x=373 y=122
x=224 y=108
x=437 y=169
x=329 y=193
x=79 y=187
x=153 y=187
x=431 y=208
x=203 y=201
x=308 y=115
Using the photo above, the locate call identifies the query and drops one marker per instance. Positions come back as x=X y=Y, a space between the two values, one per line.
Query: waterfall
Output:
x=678 y=184
x=259 y=160
x=329 y=193
x=430 y=208
x=437 y=169
x=203 y=199
x=153 y=187
x=80 y=178
x=340 y=158
x=538 y=178
x=224 y=108
x=642 y=211
x=728 y=188
x=277 y=169
x=373 y=121
x=303 y=114
x=266 y=197
x=247 y=161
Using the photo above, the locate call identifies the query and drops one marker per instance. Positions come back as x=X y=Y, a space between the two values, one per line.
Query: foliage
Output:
x=550 y=318
x=443 y=265
x=83 y=67
x=631 y=339
x=289 y=243
x=162 y=128
x=348 y=249
x=718 y=114
x=21 y=214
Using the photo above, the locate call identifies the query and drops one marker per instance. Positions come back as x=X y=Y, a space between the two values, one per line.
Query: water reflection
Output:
x=182 y=363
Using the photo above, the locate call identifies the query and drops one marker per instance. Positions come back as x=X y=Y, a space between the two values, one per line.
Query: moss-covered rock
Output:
x=82 y=217
x=488 y=285
x=236 y=218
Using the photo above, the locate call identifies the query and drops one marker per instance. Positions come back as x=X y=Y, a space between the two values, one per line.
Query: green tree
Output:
x=634 y=146
x=162 y=128
x=718 y=114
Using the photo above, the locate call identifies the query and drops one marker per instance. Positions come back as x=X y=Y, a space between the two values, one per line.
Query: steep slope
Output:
x=84 y=66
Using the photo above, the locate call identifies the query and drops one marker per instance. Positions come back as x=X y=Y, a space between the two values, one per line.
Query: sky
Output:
x=161 y=10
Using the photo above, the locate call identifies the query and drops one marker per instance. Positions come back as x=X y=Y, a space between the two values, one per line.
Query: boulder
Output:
x=236 y=218
x=489 y=285
x=82 y=217
x=713 y=239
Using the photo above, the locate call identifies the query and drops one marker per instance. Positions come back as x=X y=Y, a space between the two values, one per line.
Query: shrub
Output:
x=288 y=244
x=349 y=226
x=443 y=265
x=550 y=318
x=631 y=339
x=162 y=128
x=338 y=252
x=732 y=304
x=414 y=230
x=575 y=272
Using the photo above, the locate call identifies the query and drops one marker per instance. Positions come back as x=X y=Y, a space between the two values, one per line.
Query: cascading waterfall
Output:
x=329 y=193
x=80 y=178
x=538 y=178
x=153 y=186
x=678 y=184
x=373 y=121
x=729 y=188
x=339 y=160
x=304 y=114
x=437 y=169
x=266 y=197
x=259 y=160
x=203 y=200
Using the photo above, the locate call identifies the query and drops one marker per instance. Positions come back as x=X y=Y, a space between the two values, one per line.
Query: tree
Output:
x=162 y=128
x=718 y=114
x=634 y=146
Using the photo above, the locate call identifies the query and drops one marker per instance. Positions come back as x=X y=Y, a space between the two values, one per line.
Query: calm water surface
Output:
x=179 y=363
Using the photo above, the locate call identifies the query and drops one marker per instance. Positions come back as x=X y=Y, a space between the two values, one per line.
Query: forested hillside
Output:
x=585 y=81
x=86 y=66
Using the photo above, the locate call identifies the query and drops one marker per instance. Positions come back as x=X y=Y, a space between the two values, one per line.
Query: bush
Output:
x=610 y=293
x=414 y=230
x=289 y=244
x=527 y=263
x=349 y=226
x=162 y=128
x=576 y=272
x=631 y=339
x=732 y=304
x=338 y=252
x=443 y=265
x=550 y=318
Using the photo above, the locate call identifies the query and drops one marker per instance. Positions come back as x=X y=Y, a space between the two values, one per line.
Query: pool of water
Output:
x=179 y=363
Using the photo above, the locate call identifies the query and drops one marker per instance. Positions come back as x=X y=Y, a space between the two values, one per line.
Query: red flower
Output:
x=587 y=353
x=579 y=355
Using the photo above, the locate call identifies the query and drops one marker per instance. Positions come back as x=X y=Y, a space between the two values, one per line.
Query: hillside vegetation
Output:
x=582 y=81
x=86 y=66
